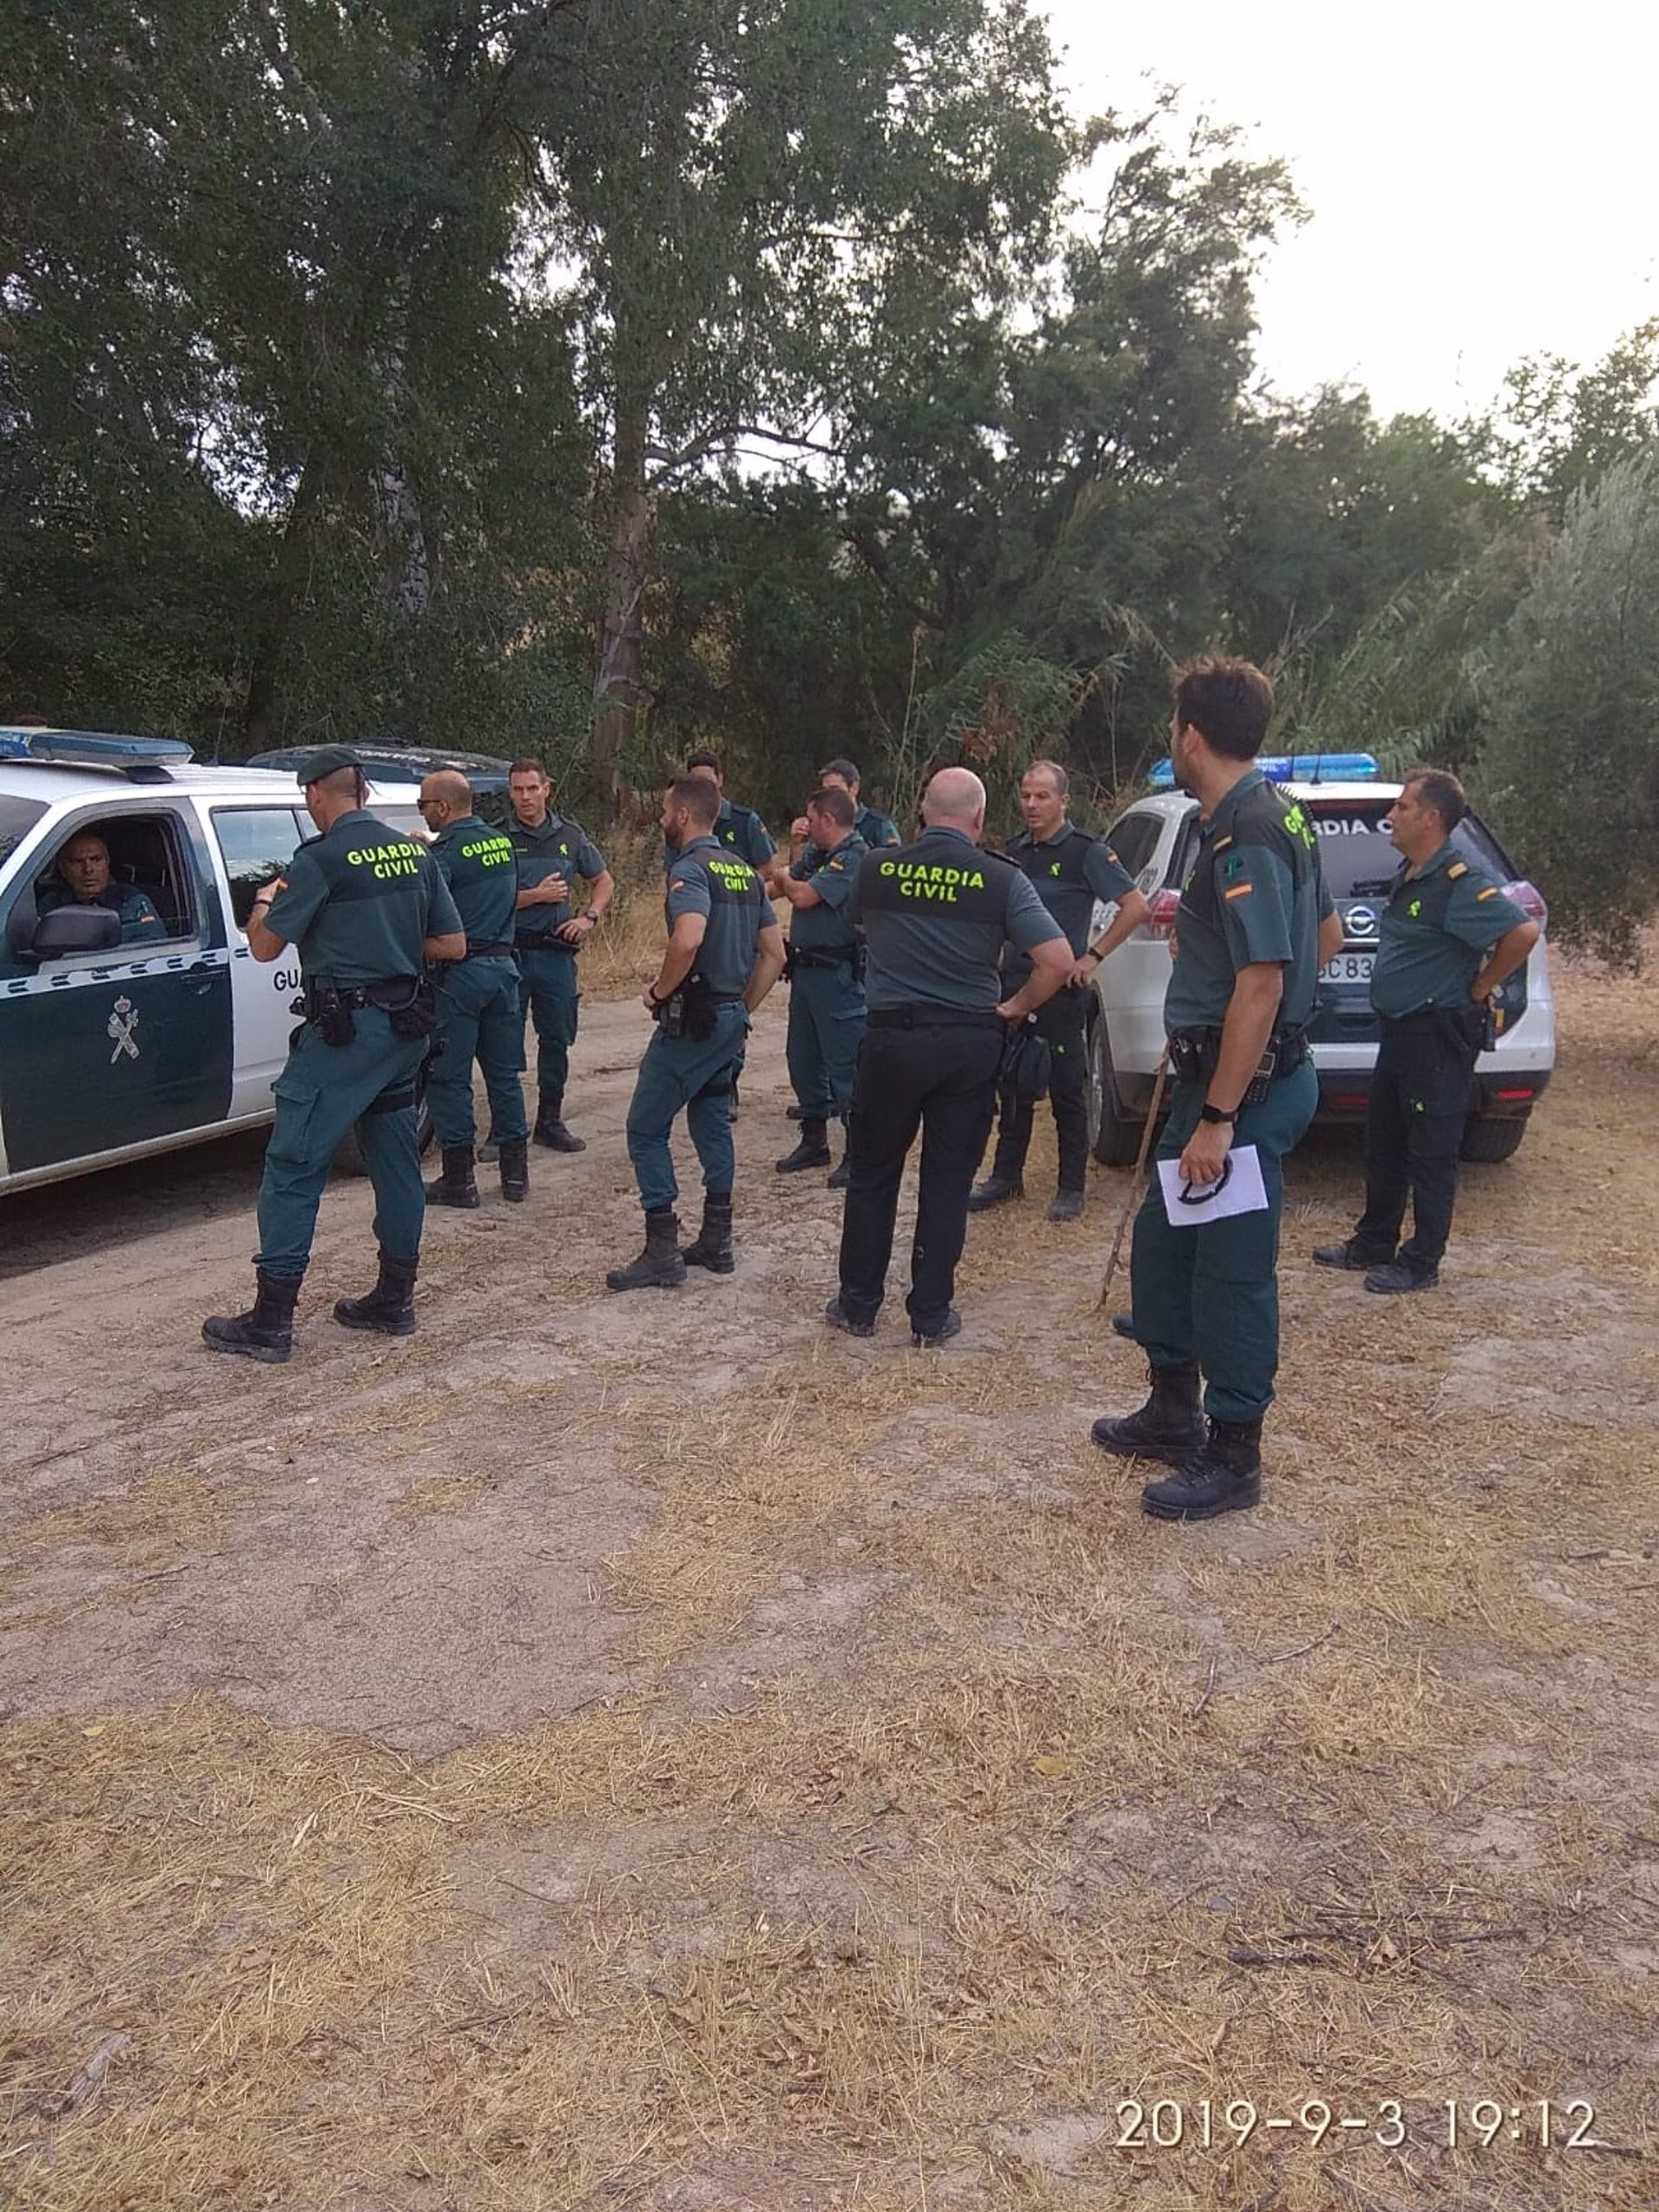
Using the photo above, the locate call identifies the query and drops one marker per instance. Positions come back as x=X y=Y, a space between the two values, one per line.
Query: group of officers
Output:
x=913 y=967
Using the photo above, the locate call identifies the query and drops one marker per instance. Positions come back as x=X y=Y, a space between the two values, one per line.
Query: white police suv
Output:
x=1157 y=841
x=108 y=1050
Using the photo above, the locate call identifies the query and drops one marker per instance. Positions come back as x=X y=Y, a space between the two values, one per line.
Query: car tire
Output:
x=348 y=1152
x=1114 y=1138
x=1486 y=1137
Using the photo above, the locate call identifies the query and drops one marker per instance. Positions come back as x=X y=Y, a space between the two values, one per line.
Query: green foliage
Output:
x=1572 y=765
x=1559 y=428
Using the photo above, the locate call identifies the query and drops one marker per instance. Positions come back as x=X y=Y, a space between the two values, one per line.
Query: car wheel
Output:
x=1114 y=1139
x=1486 y=1137
x=348 y=1152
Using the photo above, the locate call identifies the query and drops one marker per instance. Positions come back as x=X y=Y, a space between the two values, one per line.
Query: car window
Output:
x=1355 y=850
x=406 y=818
x=257 y=843
x=17 y=817
x=1133 y=838
x=149 y=854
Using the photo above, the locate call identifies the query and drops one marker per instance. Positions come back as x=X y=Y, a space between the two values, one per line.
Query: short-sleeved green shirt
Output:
x=553 y=846
x=482 y=869
x=1436 y=929
x=935 y=914
x=1070 y=872
x=828 y=926
x=360 y=902
x=874 y=827
x=1255 y=895
x=705 y=878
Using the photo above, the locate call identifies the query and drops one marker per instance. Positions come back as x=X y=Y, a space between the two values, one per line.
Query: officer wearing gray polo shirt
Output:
x=936 y=915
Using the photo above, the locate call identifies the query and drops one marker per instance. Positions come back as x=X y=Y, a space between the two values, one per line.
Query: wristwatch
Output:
x=592 y=914
x=1209 y=1113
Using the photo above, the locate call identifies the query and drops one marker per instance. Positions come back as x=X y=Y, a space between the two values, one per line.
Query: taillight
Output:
x=1161 y=921
x=1530 y=899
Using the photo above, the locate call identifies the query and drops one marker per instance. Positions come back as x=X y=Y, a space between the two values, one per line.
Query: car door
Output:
x=116 y=1050
x=254 y=842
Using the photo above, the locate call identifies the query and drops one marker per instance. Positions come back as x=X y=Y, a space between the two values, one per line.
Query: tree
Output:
x=1571 y=765
x=736 y=194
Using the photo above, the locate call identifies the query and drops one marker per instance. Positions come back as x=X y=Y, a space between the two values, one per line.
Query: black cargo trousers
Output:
x=1414 y=1129
x=1063 y=1020
x=932 y=1069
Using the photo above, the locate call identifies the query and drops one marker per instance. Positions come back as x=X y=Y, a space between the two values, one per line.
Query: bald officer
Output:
x=479 y=1015
x=367 y=907
x=935 y=916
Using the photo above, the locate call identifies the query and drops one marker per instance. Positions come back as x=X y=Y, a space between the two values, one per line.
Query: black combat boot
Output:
x=515 y=1170
x=549 y=1128
x=1123 y=1325
x=995 y=1191
x=390 y=1307
x=843 y=1174
x=812 y=1151
x=1065 y=1206
x=1170 y=1425
x=659 y=1267
x=1224 y=1476
x=713 y=1246
x=266 y=1330
x=457 y=1185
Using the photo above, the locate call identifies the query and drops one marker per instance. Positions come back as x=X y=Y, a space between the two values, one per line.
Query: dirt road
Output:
x=651 y=1750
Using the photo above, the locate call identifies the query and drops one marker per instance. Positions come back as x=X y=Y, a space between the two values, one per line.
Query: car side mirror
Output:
x=75 y=929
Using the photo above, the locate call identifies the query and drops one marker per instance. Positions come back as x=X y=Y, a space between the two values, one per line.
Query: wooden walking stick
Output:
x=1138 y=1185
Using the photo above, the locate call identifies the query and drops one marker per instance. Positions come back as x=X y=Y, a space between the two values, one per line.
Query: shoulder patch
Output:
x=1458 y=869
x=1239 y=891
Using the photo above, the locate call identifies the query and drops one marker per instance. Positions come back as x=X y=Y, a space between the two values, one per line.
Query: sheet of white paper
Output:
x=1241 y=1192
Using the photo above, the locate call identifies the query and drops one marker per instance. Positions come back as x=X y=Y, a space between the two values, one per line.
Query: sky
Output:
x=1482 y=179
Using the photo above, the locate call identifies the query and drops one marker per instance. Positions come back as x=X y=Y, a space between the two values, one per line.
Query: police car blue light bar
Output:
x=1295 y=768
x=83 y=748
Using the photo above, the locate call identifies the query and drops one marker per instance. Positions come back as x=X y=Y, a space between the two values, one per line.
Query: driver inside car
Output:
x=85 y=880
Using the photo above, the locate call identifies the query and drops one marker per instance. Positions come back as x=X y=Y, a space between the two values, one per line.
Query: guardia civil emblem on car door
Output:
x=122 y=1023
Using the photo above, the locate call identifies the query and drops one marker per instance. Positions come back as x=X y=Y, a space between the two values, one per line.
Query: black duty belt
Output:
x=935 y=1017
x=546 y=943
x=489 y=951
x=1193 y=1054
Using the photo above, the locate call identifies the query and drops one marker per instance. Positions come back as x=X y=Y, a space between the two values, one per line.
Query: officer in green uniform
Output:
x=1249 y=943
x=870 y=823
x=936 y=915
x=366 y=906
x=1448 y=938
x=724 y=953
x=548 y=935
x=741 y=830
x=479 y=1013
x=84 y=866
x=825 y=972
x=1070 y=872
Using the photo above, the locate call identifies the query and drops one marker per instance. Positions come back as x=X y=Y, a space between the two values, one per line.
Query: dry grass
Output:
x=958 y=1805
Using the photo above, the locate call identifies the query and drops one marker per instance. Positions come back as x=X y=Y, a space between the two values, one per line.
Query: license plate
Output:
x=1348 y=967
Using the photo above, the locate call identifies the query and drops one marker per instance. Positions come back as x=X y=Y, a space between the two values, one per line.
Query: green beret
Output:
x=325 y=760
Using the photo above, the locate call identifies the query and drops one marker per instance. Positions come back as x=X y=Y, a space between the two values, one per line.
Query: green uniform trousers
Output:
x=479 y=1019
x=677 y=1073
x=548 y=996
x=320 y=1094
x=1211 y=1294
x=826 y=1021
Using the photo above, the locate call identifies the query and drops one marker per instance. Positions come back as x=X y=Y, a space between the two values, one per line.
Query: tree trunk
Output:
x=294 y=559
x=619 y=690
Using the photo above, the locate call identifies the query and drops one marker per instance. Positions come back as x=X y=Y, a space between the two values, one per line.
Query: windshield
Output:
x=17 y=817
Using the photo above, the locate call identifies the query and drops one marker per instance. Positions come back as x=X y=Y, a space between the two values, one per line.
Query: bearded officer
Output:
x=1070 y=872
x=936 y=915
x=477 y=1008
x=724 y=953
x=1241 y=990
x=367 y=907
